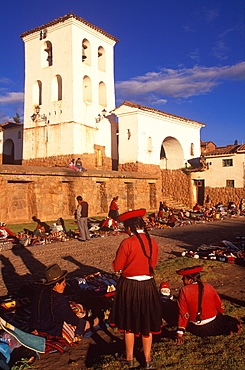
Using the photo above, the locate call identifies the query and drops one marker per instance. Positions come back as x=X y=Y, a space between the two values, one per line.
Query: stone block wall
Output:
x=224 y=195
x=177 y=185
x=50 y=192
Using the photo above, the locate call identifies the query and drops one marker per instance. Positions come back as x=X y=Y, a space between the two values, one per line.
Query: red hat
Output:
x=131 y=214
x=190 y=270
x=164 y=285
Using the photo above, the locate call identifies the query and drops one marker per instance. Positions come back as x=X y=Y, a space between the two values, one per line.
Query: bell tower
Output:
x=69 y=92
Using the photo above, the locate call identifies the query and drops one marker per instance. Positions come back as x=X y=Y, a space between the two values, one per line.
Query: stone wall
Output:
x=224 y=195
x=177 y=185
x=50 y=192
x=89 y=160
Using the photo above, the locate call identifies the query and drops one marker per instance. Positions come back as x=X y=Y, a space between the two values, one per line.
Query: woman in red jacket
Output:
x=200 y=308
x=137 y=306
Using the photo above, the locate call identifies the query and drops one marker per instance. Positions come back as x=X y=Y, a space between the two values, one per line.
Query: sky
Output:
x=183 y=57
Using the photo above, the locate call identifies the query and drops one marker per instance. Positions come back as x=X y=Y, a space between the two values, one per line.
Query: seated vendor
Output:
x=51 y=308
x=200 y=308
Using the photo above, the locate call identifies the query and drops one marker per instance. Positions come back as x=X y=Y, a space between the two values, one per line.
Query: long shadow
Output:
x=233 y=300
x=82 y=269
x=31 y=263
x=9 y=274
x=207 y=233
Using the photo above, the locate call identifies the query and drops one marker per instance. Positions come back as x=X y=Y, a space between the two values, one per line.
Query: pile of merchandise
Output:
x=224 y=251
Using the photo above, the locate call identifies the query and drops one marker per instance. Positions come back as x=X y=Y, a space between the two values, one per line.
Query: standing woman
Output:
x=113 y=211
x=137 y=307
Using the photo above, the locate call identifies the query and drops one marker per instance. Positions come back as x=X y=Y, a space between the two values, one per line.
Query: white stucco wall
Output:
x=66 y=38
x=217 y=175
x=144 y=125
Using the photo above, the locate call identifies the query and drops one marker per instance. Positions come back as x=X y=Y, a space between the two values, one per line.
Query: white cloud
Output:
x=12 y=98
x=179 y=83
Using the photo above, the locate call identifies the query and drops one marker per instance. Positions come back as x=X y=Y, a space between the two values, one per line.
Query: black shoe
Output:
x=129 y=363
x=81 y=240
x=150 y=365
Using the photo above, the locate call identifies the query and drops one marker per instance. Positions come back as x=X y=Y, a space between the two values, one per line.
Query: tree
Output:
x=16 y=118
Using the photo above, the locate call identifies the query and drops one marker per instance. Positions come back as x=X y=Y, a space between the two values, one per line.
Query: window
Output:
x=149 y=146
x=57 y=88
x=227 y=162
x=192 y=149
x=230 y=183
x=86 y=52
x=87 y=90
x=47 y=54
x=37 y=93
x=102 y=94
x=101 y=58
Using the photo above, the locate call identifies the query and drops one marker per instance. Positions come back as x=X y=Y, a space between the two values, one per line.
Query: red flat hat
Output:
x=190 y=270
x=131 y=214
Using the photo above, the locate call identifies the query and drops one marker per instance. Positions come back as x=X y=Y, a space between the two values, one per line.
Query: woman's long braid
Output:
x=200 y=296
x=139 y=222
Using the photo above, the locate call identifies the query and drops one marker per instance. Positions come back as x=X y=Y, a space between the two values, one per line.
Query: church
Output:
x=141 y=154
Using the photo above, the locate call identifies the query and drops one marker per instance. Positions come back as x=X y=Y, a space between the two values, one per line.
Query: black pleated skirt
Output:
x=137 y=307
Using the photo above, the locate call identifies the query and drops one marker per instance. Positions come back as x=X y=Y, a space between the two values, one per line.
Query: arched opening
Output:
x=8 y=152
x=87 y=90
x=171 y=154
x=47 y=54
x=57 y=88
x=102 y=94
x=37 y=93
x=86 y=52
x=101 y=59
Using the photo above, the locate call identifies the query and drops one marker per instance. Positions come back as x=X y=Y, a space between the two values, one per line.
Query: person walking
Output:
x=82 y=219
x=137 y=307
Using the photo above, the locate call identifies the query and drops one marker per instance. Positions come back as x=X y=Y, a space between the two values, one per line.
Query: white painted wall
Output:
x=217 y=175
x=66 y=38
x=144 y=124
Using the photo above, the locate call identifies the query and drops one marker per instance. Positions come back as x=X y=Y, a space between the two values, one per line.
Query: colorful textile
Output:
x=53 y=343
x=28 y=340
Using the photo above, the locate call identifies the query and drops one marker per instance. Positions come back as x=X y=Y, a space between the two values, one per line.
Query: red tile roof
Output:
x=226 y=150
x=142 y=107
x=63 y=19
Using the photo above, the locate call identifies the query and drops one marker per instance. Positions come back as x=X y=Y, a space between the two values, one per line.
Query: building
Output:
x=69 y=92
x=11 y=142
x=223 y=175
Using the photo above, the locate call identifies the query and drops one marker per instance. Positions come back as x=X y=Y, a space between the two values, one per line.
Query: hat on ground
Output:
x=54 y=274
x=131 y=214
x=190 y=270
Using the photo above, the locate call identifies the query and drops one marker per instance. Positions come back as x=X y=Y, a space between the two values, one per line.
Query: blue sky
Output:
x=184 y=57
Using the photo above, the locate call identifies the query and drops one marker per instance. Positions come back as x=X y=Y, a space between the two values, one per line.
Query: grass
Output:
x=221 y=352
x=70 y=224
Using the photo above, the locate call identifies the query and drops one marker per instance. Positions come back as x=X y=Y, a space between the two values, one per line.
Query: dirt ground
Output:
x=21 y=266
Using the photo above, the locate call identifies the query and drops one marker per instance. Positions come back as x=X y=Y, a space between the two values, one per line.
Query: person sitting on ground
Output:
x=196 y=208
x=51 y=308
x=73 y=166
x=79 y=164
x=200 y=308
x=182 y=217
x=172 y=220
x=42 y=229
x=232 y=208
x=108 y=224
x=5 y=232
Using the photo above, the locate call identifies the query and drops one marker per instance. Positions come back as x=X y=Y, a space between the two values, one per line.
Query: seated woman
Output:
x=51 y=308
x=200 y=308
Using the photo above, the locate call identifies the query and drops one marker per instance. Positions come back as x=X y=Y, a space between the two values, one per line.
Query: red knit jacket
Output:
x=188 y=304
x=131 y=259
